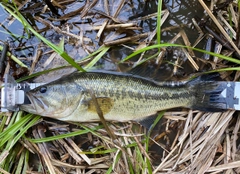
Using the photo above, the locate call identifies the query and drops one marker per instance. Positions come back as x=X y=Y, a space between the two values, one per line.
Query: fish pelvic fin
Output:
x=211 y=96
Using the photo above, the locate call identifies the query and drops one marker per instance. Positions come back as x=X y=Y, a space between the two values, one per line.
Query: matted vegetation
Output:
x=183 y=141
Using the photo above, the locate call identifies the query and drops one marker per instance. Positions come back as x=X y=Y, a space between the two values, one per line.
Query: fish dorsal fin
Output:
x=147 y=70
x=210 y=77
x=206 y=77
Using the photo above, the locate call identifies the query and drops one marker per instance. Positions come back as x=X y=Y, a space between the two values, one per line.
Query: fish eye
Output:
x=43 y=89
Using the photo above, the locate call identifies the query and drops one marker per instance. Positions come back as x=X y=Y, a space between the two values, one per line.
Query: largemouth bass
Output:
x=121 y=97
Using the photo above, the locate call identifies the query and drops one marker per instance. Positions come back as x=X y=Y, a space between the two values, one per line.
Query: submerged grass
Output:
x=14 y=58
x=27 y=26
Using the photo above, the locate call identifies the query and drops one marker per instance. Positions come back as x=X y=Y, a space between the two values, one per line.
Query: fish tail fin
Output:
x=208 y=94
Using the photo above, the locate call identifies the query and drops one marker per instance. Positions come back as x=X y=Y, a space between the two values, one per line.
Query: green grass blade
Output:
x=15 y=36
x=3 y=119
x=118 y=155
x=39 y=73
x=97 y=58
x=224 y=69
x=71 y=61
x=159 y=16
x=94 y=53
x=16 y=130
x=9 y=161
x=100 y=152
x=109 y=171
x=26 y=162
x=230 y=59
x=139 y=160
x=130 y=165
x=100 y=50
x=20 y=162
x=56 y=137
x=95 y=149
x=15 y=59
x=93 y=132
x=160 y=115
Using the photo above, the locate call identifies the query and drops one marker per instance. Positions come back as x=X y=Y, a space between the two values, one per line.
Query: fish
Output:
x=120 y=96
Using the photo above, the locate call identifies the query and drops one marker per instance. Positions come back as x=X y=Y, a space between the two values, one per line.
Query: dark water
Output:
x=181 y=14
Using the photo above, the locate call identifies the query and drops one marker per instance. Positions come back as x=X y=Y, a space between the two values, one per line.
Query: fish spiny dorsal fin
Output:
x=205 y=77
x=147 y=70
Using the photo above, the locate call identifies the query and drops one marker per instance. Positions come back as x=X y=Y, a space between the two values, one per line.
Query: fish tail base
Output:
x=211 y=96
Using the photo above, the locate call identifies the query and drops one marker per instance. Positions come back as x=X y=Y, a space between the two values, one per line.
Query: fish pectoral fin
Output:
x=104 y=103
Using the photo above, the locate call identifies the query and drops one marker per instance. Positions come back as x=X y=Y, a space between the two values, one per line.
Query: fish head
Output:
x=55 y=101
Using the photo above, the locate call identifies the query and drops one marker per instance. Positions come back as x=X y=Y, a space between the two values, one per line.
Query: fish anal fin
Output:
x=147 y=122
x=104 y=103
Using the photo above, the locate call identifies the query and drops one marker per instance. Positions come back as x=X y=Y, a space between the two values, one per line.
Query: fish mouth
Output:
x=36 y=105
